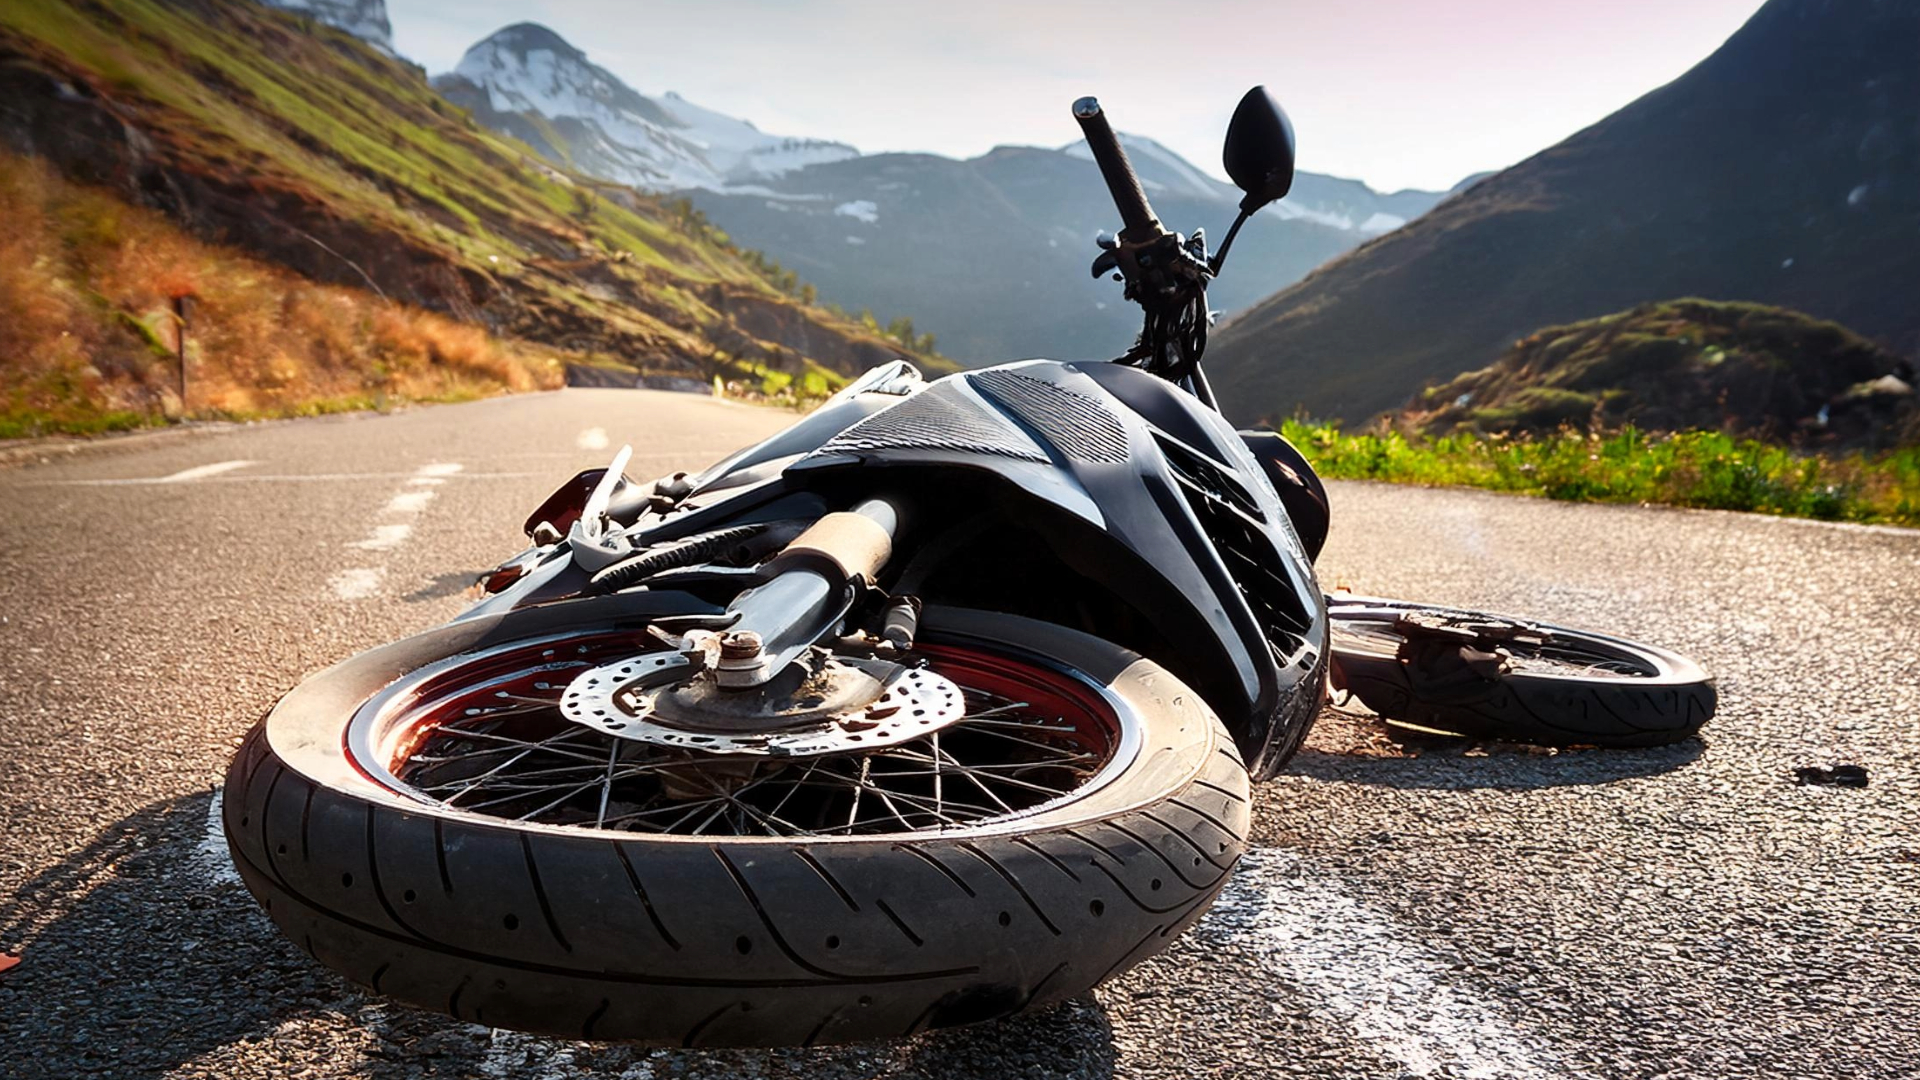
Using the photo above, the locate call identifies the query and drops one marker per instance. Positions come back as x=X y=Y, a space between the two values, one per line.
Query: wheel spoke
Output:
x=606 y=782
x=502 y=748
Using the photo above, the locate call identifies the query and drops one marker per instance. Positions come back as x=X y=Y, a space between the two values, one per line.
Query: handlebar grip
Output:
x=1135 y=215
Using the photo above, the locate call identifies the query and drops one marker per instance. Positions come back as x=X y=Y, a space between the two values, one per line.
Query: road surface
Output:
x=1683 y=912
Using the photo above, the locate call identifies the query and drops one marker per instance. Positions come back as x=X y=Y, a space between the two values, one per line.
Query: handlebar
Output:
x=1135 y=214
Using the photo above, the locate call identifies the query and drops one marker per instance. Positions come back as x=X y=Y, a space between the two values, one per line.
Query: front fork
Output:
x=811 y=586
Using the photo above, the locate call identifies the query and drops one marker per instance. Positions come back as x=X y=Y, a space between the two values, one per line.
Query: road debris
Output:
x=1854 y=776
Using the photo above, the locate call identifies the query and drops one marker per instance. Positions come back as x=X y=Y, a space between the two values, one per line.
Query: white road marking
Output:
x=201 y=472
x=356 y=584
x=594 y=438
x=198 y=472
x=513 y=1054
x=360 y=583
x=295 y=478
x=384 y=538
x=688 y=458
x=1353 y=962
x=409 y=502
x=427 y=477
x=211 y=854
x=519 y=1056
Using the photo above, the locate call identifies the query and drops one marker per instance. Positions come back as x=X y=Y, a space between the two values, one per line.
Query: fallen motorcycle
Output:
x=939 y=705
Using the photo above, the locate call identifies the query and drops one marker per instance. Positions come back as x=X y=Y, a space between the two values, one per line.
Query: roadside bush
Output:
x=1705 y=469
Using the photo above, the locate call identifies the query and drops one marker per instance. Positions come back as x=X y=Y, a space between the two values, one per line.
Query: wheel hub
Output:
x=840 y=704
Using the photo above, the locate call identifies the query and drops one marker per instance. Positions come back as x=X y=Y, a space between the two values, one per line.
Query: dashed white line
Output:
x=300 y=478
x=425 y=479
x=358 y=583
x=594 y=438
x=201 y=472
x=362 y=582
x=198 y=472
x=1353 y=962
x=211 y=853
x=409 y=502
x=384 y=538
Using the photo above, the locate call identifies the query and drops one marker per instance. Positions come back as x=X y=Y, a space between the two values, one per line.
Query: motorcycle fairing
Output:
x=1173 y=516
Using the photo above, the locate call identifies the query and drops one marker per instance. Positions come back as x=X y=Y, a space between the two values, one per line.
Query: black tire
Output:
x=1653 y=697
x=706 y=941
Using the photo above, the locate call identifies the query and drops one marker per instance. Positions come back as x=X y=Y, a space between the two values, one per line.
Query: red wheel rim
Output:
x=481 y=734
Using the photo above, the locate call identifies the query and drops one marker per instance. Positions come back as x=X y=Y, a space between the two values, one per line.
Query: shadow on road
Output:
x=143 y=955
x=1504 y=770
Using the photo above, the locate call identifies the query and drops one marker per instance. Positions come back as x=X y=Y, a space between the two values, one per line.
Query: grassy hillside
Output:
x=260 y=133
x=1678 y=365
x=92 y=327
x=1781 y=170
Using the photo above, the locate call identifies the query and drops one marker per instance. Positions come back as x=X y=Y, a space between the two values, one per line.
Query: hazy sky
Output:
x=1399 y=93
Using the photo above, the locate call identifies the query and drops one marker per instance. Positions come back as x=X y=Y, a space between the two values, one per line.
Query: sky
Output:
x=1398 y=93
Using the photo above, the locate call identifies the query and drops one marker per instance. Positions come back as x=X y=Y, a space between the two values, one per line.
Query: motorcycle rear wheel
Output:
x=596 y=929
x=1559 y=686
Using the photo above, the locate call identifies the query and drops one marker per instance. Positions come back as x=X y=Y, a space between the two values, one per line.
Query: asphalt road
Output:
x=1409 y=910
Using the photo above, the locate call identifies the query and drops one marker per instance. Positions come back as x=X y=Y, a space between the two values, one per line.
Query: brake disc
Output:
x=842 y=704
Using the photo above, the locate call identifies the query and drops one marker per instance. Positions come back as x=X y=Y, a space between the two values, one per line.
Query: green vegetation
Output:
x=1684 y=402
x=1682 y=365
x=1700 y=469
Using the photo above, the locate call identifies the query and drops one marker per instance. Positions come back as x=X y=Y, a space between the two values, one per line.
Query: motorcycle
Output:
x=941 y=704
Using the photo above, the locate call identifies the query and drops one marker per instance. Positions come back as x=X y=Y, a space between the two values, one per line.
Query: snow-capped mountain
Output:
x=529 y=81
x=364 y=19
x=1348 y=205
x=911 y=234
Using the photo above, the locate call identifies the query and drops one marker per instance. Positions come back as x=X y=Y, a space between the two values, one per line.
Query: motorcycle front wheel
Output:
x=423 y=820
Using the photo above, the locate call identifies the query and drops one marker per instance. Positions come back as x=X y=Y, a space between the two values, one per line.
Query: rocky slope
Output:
x=322 y=155
x=989 y=254
x=1784 y=168
x=1688 y=365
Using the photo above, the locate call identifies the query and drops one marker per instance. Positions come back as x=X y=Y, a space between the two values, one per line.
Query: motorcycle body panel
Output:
x=1167 y=532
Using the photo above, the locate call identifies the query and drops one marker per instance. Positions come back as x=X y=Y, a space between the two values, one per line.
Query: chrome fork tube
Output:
x=814 y=581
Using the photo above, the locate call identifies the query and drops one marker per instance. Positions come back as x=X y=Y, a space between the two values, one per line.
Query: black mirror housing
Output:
x=1259 y=150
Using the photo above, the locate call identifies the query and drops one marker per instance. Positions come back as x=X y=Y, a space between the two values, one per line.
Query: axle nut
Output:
x=740 y=645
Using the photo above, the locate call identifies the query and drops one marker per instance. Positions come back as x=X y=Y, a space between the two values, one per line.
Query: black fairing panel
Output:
x=1141 y=491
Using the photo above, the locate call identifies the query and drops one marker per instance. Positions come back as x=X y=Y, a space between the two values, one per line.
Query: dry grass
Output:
x=89 y=337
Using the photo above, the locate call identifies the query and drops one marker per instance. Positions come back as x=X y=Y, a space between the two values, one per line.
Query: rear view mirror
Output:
x=1259 y=151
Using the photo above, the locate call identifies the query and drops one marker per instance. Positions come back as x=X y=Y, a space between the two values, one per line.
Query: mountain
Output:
x=364 y=19
x=265 y=138
x=1687 y=365
x=1782 y=169
x=527 y=81
x=989 y=254
x=1346 y=205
